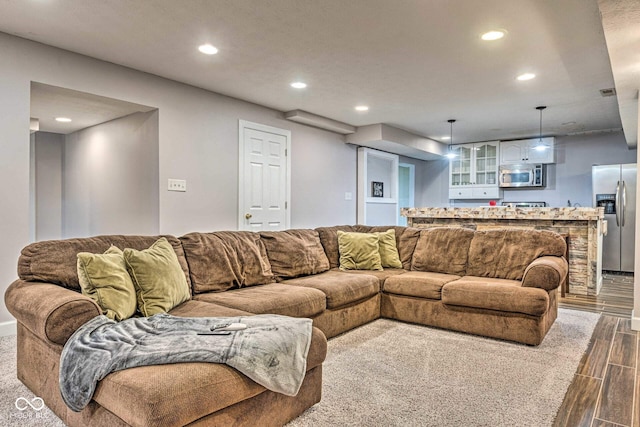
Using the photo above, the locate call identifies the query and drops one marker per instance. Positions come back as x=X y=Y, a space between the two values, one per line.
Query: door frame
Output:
x=412 y=184
x=242 y=125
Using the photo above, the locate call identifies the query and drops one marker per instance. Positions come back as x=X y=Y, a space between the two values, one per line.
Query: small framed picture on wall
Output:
x=377 y=189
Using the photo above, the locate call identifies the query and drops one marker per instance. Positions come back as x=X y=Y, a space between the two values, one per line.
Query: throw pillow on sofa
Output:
x=224 y=260
x=294 y=253
x=157 y=277
x=104 y=279
x=359 y=251
x=442 y=250
x=388 y=251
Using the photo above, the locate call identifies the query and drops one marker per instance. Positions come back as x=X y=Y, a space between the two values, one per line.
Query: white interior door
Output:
x=264 y=177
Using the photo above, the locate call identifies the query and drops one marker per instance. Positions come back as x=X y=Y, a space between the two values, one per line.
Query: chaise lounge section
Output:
x=496 y=283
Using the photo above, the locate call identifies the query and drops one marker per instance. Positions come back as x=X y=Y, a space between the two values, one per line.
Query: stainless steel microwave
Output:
x=528 y=175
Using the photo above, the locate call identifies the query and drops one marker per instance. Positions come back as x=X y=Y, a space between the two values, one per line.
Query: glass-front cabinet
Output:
x=474 y=171
x=486 y=162
x=461 y=165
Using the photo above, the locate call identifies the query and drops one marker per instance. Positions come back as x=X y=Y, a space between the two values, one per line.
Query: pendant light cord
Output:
x=540 y=108
x=451 y=122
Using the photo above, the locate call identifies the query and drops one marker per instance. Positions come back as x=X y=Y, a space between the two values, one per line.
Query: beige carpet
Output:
x=389 y=373
x=394 y=374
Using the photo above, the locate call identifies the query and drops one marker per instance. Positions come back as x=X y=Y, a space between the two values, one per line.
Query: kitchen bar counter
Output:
x=583 y=226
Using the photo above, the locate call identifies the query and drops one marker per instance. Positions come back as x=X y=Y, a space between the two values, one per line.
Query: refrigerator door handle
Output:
x=624 y=202
x=618 y=204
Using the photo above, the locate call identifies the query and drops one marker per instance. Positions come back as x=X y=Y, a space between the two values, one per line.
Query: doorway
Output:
x=264 y=177
x=406 y=189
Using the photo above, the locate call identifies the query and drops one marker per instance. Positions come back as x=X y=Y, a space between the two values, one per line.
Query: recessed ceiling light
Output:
x=63 y=119
x=526 y=76
x=445 y=138
x=298 y=85
x=493 y=35
x=362 y=108
x=208 y=49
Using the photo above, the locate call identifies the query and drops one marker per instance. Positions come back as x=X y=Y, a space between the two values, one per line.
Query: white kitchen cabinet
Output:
x=473 y=173
x=528 y=151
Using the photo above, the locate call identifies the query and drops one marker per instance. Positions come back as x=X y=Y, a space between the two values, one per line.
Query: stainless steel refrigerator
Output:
x=614 y=188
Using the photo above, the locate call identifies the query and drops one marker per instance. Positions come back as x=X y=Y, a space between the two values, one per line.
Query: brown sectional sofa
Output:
x=497 y=283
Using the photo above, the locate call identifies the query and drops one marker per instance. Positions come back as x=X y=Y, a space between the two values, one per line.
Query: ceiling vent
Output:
x=608 y=92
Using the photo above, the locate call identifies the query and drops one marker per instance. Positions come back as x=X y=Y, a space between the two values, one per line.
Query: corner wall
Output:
x=48 y=150
x=111 y=178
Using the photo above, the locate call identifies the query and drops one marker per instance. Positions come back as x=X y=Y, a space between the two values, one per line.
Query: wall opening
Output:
x=96 y=174
x=406 y=189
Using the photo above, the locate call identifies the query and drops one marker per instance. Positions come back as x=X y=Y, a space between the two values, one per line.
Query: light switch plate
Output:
x=347 y=196
x=177 y=185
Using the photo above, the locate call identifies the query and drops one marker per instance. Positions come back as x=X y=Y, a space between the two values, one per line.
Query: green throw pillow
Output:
x=358 y=251
x=104 y=278
x=158 y=278
x=388 y=250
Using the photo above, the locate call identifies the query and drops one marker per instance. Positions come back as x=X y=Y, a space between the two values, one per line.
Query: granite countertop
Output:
x=505 y=212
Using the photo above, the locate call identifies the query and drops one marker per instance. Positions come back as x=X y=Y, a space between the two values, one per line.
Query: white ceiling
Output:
x=49 y=102
x=621 y=22
x=416 y=63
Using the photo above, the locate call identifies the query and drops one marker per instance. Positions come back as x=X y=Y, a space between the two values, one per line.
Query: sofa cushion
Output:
x=329 y=239
x=55 y=261
x=495 y=294
x=156 y=274
x=226 y=260
x=359 y=251
x=340 y=288
x=180 y=393
x=381 y=275
x=274 y=298
x=194 y=308
x=442 y=250
x=388 y=249
x=418 y=284
x=406 y=239
x=294 y=253
x=406 y=243
x=506 y=253
x=104 y=279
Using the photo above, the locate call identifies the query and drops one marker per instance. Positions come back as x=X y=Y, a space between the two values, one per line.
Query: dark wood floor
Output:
x=615 y=298
x=605 y=391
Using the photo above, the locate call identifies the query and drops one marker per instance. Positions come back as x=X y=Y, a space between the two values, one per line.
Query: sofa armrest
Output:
x=49 y=311
x=546 y=272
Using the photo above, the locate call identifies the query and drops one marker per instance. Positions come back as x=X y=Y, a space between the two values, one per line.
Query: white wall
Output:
x=323 y=168
x=48 y=149
x=111 y=178
x=635 y=314
x=198 y=141
x=568 y=179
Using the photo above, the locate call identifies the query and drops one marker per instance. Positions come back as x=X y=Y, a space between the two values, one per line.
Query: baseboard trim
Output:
x=635 y=321
x=8 y=328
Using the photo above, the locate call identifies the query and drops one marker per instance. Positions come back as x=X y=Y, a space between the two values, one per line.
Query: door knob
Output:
x=248 y=216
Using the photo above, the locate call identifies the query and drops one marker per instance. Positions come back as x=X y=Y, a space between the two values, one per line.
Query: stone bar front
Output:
x=583 y=226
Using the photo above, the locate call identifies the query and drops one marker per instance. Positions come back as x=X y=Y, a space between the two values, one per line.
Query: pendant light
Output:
x=540 y=146
x=450 y=153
